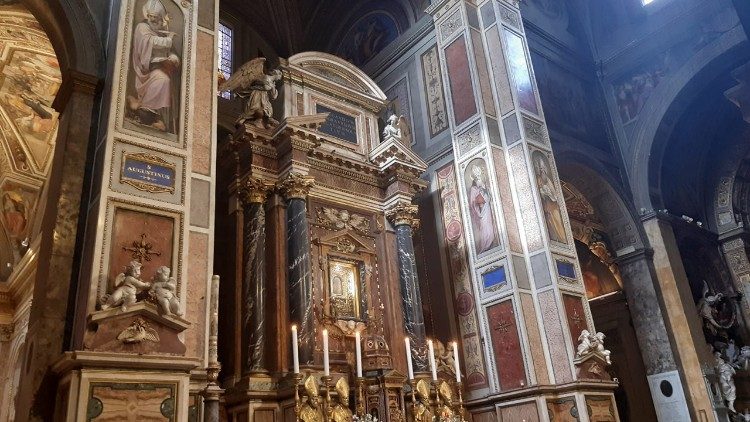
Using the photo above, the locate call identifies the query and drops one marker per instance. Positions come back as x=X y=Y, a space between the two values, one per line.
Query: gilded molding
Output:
x=403 y=213
x=254 y=190
x=296 y=186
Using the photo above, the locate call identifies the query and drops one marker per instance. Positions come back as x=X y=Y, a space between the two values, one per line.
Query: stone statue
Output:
x=397 y=128
x=584 y=345
x=710 y=310
x=341 y=412
x=164 y=291
x=258 y=89
x=422 y=412
x=726 y=380
x=444 y=357
x=127 y=287
x=743 y=417
x=137 y=332
x=445 y=414
x=311 y=410
x=592 y=343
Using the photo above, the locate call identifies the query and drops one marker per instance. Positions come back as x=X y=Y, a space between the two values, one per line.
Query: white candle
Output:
x=326 y=364
x=432 y=360
x=455 y=361
x=295 y=349
x=358 y=349
x=408 y=358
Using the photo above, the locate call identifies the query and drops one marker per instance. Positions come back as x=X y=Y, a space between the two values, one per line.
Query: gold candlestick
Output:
x=413 y=397
x=297 y=401
x=360 y=397
x=459 y=387
x=327 y=408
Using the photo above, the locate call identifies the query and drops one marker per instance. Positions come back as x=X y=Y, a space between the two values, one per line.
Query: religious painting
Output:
x=343 y=288
x=598 y=279
x=433 y=86
x=481 y=204
x=519 y=68
x=18 y=204
x=154 y=80
x=368 y=37
x=30 y=84
x=549 y=196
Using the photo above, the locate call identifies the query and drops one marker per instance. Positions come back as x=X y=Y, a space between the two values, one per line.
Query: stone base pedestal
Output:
x=122 y=386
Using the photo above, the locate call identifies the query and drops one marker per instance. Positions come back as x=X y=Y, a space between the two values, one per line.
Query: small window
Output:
x=647 y=2
x=225 y=53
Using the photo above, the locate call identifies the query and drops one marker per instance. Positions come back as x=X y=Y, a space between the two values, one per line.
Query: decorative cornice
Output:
x=255 y=190
x=296 y=186
x=403 y=213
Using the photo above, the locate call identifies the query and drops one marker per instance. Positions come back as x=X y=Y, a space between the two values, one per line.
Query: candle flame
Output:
x=294 y=327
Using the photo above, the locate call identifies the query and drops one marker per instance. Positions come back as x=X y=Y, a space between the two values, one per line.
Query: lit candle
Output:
x=358 y=349
x=326 y=365
x=432 y=360
x=455 y=361
x=408 y=358
x=295 y=349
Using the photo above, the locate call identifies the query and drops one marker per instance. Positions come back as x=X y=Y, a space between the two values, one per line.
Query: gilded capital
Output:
x=254 y=190
x=403 y=213
x=296 y=185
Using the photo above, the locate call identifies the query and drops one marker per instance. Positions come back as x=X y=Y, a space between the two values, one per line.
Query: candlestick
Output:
x=432 y=360
x=360 y=398
x=408 y=358
x=326 y=364
x=295 y=349
x=459 y=387
x=457 y=367
x=358 y=349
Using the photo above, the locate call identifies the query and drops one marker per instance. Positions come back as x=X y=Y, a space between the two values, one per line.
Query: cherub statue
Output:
x=163 y=291
x=127 y=287
x=398 y=128
x=251 y=83
x=444 y=356
x=600 y=347
x=422 y=410
x=341 y=412
x=446 y=408
x=311 y=410
x=584 y=345
x=726 y=380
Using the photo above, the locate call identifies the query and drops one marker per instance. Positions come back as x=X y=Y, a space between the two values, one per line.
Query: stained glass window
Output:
x=225 y=53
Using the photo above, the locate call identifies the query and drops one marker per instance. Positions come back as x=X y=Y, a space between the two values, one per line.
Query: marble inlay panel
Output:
x=131 y=402
x=459 y=76
x=519 y=412
x=451 y=25
x=600 y=408
x=506 y=346
x=484 y=76
x=521 y=71
x=540 y=270
x=205 y=96
x=525 y=198
x=499 y=72
x=535 y=339
x=563 y=410
x=506 y=199
x=433 y=86
x=195 y=309
x=575 y=315
x=555 y=337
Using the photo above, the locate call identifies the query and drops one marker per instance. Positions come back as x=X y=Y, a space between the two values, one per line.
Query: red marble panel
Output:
x=600 y=408
x=459 y=76
x=506 y=346
x=575 y=315
x=563 y=410
x=141 y=236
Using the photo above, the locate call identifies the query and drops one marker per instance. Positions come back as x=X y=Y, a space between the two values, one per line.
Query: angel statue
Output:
x=717 y=317
x=341 y=412
x=251 y=83
x=164 y=291
x=726 y=380
x=127 y=287
x=584 y=345
x=398 y=128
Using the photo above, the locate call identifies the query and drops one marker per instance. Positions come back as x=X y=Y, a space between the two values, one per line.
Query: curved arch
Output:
x=668 y=101
x=329 y=65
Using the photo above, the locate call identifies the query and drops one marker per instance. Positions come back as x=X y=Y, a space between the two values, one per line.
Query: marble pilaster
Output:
x=403 y=217
x=299 y=271
x=254 y=273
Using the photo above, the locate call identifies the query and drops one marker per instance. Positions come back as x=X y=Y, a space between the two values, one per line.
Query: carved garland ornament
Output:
x=337 y=219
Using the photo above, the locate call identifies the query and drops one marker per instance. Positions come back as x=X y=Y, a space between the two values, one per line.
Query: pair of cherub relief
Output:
x=129 y=286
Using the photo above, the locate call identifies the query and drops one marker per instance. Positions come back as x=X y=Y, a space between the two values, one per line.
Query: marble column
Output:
x=403 y=216
x=299 y=271
x=254 y=193
x=212 y=393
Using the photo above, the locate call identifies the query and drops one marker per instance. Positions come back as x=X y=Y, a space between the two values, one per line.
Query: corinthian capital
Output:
x=296 y=185
x=254 y=190
x=403 y=213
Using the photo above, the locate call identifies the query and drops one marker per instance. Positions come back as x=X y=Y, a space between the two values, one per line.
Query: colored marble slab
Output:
x=519 y=68
x=131 y=402
x=600 y=408
x=203 y=103
x=494 y=279
x=459 y=76
x=519 y=168
x=488 y=14
x=457 y=258
x=484 y=77
x=411 y=299
x=506 y=346
x=575 y=315
x=534 y=338
x=555 y=337
x=506 y=199
x=563 y=410
x=519 y=412
x=140 y=236
x=499 y=72
x=565 y=269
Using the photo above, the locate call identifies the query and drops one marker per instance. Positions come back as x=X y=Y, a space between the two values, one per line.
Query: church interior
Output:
x=375 y=210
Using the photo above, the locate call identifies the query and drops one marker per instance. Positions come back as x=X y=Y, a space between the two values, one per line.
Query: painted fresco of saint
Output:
x=156 y=66
x=480 y=208
x=15 y=213
x=550 y=198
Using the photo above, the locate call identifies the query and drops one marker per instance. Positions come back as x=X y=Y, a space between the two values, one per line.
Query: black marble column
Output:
x=254 y=276
x=299 y=271
x=403 y=217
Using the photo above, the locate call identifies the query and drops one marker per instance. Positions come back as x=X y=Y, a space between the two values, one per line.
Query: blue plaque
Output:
x=148 y=173
x=338 y=124
x=565 y=269
x=494 y=278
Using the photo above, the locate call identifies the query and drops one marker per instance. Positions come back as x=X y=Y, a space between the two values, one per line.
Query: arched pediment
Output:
x=338 y=71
